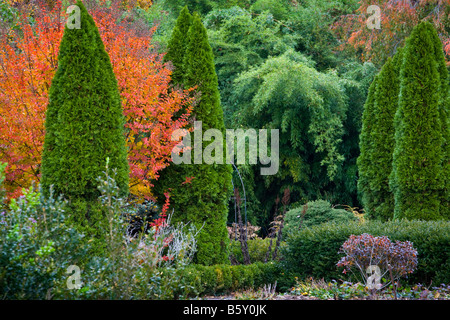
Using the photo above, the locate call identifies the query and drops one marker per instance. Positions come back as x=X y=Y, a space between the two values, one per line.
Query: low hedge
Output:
x=314 y=251
x=200 y=280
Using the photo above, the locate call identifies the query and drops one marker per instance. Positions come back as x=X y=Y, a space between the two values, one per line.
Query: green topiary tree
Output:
x=417 y=178
x=204 y=198
x=84 y=121
x=382 y=138
x=367 y=150
x=176 y=50
x=176 y=47
x=444 y=104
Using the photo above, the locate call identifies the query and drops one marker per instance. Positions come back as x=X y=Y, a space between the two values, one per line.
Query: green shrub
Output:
x=317 y=212
x=314 y=251
x=208 y=280
x=176 y=48
x=279 y=9
x=36 y=246
x=382 y=138
x=203 y=201
x=398 y=259
x=257 y=249
x=420 y=163
x=366 y=147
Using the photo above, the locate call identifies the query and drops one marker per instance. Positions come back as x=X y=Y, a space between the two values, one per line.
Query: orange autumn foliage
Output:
x=28 y=62
x=398 y=18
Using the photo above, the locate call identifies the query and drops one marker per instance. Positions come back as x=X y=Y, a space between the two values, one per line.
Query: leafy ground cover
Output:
x=311 y=289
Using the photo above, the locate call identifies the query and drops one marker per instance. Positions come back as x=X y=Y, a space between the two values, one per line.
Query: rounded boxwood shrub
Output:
x=317 y=212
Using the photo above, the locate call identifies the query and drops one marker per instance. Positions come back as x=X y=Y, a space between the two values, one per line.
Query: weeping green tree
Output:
x=418 y=177
x=84 y=121
x=202 y=200
x=308 y=108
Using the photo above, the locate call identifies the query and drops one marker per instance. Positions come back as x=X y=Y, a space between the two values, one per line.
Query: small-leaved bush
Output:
x=315 y=213
x=145 y=267
x=36 y=246
x=320 y=289
x=2 y=178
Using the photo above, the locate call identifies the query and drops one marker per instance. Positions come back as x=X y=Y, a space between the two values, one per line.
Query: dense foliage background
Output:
x=363 y=124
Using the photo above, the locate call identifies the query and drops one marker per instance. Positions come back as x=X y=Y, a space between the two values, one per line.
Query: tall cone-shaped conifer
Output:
x=417 y=178
x=444 y=105
x=383 y=131
x=213 y=181
x=366 y=146
x=204 y=200
x=84 y=121
x=176 y=47
x=173 y=175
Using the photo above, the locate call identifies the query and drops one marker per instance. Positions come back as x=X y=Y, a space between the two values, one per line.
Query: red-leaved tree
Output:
x=397 y=19
x=28 y=61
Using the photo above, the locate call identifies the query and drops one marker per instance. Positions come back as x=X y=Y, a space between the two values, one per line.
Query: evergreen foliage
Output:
x=385 y=106
x=382 y=138
x=444 y=104
x=176 y=48
x=204 y=198
x=364 y=160
x=245 y=43
x=417 y=178
x=403 y=165
x=84 y=121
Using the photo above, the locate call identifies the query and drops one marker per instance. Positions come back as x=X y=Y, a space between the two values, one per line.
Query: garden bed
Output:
x=321 y=290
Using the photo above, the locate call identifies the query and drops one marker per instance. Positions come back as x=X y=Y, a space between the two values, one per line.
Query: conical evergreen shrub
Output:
x=84 y=121
x=383 y=141
x=367 y=150
x=204 y=200
x=176 y=47
x=417 y=178
x=444 y=105
x=212 y=184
